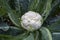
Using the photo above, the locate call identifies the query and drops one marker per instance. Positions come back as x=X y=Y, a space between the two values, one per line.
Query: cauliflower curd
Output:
x=31 y=21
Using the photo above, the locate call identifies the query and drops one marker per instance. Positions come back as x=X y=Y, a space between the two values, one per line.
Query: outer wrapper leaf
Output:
x=12 y=14
x=30 y=37
x=46 y=35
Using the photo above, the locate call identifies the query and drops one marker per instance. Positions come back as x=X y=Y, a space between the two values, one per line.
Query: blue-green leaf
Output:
x=55 y=26
x=47 y=9
x=4 y=26
x=46 y=35
x=30 y=37
x=56 y=35
x=12 y=14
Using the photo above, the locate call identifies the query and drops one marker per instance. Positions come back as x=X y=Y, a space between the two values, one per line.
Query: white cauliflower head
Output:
x=31 y=21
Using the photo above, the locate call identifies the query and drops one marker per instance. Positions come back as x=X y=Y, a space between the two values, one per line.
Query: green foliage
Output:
x=46 y=35
x=55 y=26
x=15 y=18
x=2 y=11
x=30 y=37
x=37 y=5
x=43 y=7
x=4 y=26
x=12 y=14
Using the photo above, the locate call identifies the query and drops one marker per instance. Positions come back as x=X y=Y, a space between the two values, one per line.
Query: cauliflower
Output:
x=31 y=21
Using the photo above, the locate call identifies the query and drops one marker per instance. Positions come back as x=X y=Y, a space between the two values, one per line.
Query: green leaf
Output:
x=5 y=5
x=46 y=35
x=55 y=26
x=56 y=35
x=37 y=5
x=15 y=18
x=30 y=37
x=17 y=6
x=13 y=37
x=33 y=5
x=21 y=36
x=12 y=14
x=37 y=35
x=4 y=26
x=47 y=9
x=2 y=10
x=6 y=37
x=41 y=6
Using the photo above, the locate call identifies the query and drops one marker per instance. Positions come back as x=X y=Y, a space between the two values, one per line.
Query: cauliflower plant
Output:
x=31 y=21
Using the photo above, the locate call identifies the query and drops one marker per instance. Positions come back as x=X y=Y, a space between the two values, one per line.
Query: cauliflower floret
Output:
x=31 y=21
